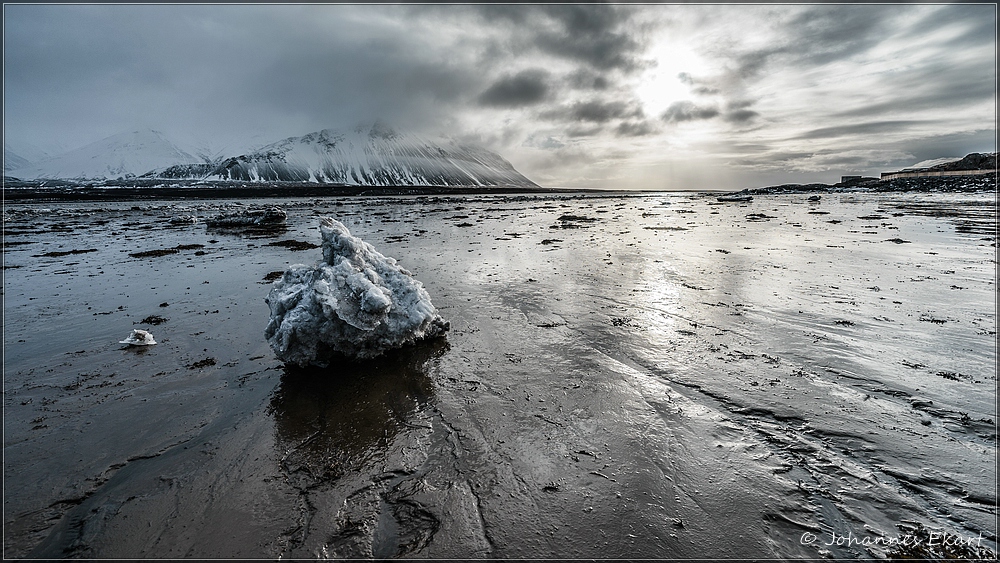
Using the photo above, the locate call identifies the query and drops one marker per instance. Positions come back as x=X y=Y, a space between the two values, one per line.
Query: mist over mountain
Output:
x=12 y=160
x=20 y=154
x=369 y=155
x=124 y=155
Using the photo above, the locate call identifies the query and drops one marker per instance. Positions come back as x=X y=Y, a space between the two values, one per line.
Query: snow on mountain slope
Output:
x=119 y=156
x=372 y=156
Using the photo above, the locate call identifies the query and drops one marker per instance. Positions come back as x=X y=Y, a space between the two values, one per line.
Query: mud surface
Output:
x=666 y=377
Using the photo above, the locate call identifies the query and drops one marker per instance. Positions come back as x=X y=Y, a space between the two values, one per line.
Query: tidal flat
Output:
x=647 y=376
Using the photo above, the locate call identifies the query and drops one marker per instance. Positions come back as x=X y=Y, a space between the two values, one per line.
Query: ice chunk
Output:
x=356 y=303
x=139 y=338
x=270 y=216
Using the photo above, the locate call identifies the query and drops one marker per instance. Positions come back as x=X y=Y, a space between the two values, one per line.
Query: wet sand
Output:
x=659 y=376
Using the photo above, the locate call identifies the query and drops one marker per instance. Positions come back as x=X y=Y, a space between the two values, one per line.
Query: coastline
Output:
x=67 y=191
x=64 y=190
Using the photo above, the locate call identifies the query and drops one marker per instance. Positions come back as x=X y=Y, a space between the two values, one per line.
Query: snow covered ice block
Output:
x=356 y=303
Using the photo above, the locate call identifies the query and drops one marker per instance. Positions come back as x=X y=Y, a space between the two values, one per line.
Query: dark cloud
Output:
x=586 y=79
x=635 y=129
x=744 y=147
x=822 y=34
x=739 y=112
x=748 y=66
x=604 y=52
x=738 y=104
x=954 y=85
x=601 y=36
x=601 y=112
x=595 y=111
x=525 y=88
x=579 y=131
x=763 y=155
x=740 y=116
x=598 y=35
x=870 y=128
x=688 y=111
x=697 y=87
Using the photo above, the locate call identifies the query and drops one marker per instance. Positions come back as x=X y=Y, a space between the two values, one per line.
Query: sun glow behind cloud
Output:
x=664 y=83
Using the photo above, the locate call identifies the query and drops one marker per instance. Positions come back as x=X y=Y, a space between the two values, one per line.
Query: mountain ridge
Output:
x=971 y=161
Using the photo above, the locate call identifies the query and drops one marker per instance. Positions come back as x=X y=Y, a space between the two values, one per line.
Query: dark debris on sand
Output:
x=58 y=253
x=293 y=244
x=165 y=251
x=202 y=363
x=272 y=276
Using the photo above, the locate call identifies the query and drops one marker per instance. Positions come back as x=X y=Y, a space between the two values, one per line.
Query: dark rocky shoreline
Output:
x=952 y=184
x=64 y=190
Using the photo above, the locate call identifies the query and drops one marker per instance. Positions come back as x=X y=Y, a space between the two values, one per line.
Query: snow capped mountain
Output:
x=372 y=156
x=120 y=156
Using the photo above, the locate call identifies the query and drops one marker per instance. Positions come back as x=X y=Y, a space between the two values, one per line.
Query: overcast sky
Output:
x=654 y=96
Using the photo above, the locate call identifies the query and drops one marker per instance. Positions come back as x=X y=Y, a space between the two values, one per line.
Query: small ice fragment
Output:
x=356 y=303
x=139 y=338
x=184 y=220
